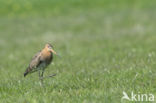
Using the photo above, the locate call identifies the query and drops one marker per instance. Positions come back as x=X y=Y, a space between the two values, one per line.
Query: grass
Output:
x=107 y=47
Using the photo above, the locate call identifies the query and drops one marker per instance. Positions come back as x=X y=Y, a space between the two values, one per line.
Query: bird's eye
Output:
x=49 y=47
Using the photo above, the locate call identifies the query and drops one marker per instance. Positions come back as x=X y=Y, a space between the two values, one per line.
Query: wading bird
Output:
x=40 y=61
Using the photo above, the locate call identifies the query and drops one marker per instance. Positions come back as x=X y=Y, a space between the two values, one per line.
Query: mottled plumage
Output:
x=41 y=60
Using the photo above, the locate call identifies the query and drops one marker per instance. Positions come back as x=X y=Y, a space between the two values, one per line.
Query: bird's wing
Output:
x=35 y=60
x=33 y=64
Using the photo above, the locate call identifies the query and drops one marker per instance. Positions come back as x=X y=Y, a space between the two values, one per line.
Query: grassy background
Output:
x=107 y=47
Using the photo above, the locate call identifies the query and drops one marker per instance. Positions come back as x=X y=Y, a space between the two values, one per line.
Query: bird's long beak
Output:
x=53 y=51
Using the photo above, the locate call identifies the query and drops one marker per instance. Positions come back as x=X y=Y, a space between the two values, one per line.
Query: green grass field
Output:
x=106 y=47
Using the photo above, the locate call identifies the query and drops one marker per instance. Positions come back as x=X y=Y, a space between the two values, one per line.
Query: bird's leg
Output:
x=39 y=74
x=42 y=73
x=39 y=77
x=52 y=75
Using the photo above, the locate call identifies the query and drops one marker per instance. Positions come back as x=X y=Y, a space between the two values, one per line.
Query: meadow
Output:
x=106 y=47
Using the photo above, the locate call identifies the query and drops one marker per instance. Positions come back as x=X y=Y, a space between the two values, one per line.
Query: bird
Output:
x=40 y=61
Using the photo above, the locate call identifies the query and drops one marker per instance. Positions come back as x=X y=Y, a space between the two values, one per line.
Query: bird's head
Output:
x=49 y=47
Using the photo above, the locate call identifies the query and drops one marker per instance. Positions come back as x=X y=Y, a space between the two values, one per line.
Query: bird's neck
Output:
x=46 y=53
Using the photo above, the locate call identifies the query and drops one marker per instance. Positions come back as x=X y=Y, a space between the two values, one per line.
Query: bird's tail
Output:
x=26 y=72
